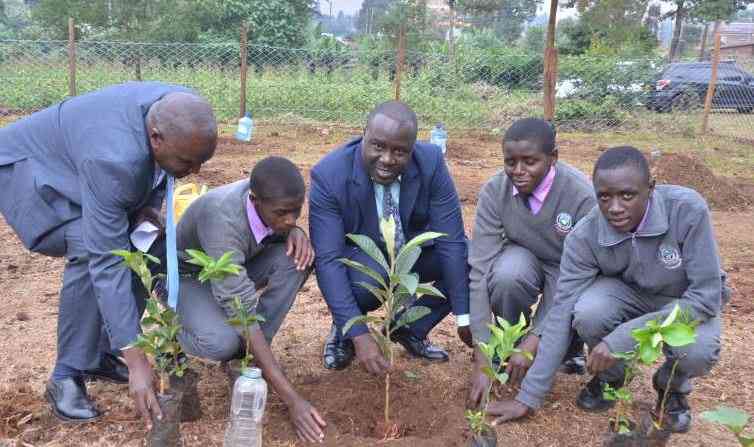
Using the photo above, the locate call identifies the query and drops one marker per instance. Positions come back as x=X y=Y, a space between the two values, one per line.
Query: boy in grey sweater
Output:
x=255 y=219
x=631 y=260
x=523 y=216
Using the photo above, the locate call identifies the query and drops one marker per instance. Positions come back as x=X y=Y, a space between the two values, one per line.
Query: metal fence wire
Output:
x=475 y=89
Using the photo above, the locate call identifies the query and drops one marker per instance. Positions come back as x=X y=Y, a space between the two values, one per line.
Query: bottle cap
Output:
x=252 y=373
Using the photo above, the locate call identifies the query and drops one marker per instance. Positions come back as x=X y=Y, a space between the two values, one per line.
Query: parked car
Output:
x=683 y=86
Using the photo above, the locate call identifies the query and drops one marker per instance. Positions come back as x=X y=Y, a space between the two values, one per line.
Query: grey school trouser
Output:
x=206 y=332
x=610 y=303
x=516 y=280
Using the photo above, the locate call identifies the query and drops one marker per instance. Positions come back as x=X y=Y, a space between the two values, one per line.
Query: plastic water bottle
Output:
x=246 y=410
x=439 y=137
x=245 y=128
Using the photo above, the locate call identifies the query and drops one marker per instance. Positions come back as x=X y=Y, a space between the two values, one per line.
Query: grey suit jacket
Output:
x=216 y=223
x=86 y=158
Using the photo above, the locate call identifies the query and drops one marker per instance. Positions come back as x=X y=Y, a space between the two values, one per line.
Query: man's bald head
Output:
x=396 y=111
x=182 y=132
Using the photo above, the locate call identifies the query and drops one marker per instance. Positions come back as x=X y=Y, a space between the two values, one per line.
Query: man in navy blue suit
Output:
x=386 y=173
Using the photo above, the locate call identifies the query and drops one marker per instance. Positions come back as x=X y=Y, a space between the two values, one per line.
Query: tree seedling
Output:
x=497 y=351
x=215 y=270
x=161 y=341
x=675 y=331
x=394 y=292
x=734 y=420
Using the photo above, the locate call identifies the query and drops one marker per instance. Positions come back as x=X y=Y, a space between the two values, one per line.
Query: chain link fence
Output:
x=337 y=84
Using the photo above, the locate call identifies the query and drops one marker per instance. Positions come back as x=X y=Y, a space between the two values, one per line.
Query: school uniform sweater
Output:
x=673 y=255
x=502 y=217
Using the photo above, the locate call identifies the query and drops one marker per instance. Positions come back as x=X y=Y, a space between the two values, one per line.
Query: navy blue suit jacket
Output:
x=341 y=201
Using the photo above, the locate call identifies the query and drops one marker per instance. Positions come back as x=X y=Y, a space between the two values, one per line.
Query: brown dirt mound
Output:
x=691 y=172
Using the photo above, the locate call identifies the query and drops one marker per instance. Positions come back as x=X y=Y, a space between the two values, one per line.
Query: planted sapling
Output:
x=394 y=292
x=675 y=331
x=734 y=420
x=497 y=351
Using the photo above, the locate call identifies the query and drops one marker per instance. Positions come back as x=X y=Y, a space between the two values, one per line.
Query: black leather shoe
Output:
x=574 y=361
x=339 y=352
x=677 y=410
x=111 y=369
x=69 y=400
x=419 y=347
x=591 y=399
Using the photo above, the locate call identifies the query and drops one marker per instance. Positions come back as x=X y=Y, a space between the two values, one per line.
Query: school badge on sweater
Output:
x=563 y=224
x=669 y=256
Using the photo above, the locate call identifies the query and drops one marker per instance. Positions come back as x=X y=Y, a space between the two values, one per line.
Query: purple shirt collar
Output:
x=258 y=228
x=537 y=198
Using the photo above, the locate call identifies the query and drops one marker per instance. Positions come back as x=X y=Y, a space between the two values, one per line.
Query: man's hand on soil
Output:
x=369 y=353
x=140 y=385
x=464 y=333
x=519 y=363
x=600 y=359
x=479 y=384
x=308 y=422
x=300 y=249
x=507 y=410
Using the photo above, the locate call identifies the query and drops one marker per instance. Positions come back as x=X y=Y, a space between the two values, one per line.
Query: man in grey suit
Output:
x=77 y=177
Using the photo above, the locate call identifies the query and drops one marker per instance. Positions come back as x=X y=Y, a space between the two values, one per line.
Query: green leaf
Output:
x=370 y=248
x=376 y=291
x=648 y=354
x=355 y=320
x=678 y=334
x=422 y=238
x=732 y=418
x=410 y=281
x=502 y=377
x=412 y=314
x=198 y=257
x=151 y=258
x=656 y=339
x=387 y=228
x=365 y=270
x=488 y=372
x=746 y=441
x=670 y=319
x=642 y=334
x=428 y=289
x=406 y=259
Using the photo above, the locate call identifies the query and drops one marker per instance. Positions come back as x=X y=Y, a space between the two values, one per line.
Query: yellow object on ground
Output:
x=184 y=195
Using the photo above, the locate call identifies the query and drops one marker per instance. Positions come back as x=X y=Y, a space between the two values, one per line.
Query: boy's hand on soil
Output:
x=308 y=422
x=600 y=359
x=370 y=354
x=464 y=333
x=507 y=410
x=140 y=385
x=518 y=364
x=479 y=384
x=300 y=249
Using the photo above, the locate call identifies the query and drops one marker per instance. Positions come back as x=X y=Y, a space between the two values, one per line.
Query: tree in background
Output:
x=534 y=39
x=700 y=11
x=506 y=17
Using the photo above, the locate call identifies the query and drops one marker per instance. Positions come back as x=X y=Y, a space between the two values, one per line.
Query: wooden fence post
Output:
x=712 y=81
x=244 y=67
x=551 y=64
x=399 y=62
x=71 y=58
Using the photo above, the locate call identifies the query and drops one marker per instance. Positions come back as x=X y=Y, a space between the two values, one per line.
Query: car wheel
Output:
x=686 y=100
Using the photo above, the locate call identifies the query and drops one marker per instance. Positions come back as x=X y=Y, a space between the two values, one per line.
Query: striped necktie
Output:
x=389 y=209
x=172 y=256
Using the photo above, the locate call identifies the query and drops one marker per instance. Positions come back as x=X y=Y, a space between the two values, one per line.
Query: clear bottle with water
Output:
x=246 y=410
x=245 y=128
x=439 y=137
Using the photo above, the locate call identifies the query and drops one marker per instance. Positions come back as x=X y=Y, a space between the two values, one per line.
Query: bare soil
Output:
x=427 y=399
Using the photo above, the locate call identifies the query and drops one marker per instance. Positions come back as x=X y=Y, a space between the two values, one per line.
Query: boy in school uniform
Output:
x=523 y=215
x=645 y=249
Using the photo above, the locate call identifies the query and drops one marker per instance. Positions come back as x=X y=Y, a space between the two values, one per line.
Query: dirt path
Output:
x=428 y=399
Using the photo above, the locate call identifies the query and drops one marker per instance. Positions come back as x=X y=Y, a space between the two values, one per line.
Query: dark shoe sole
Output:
x=600 y=409
x=63 y=417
